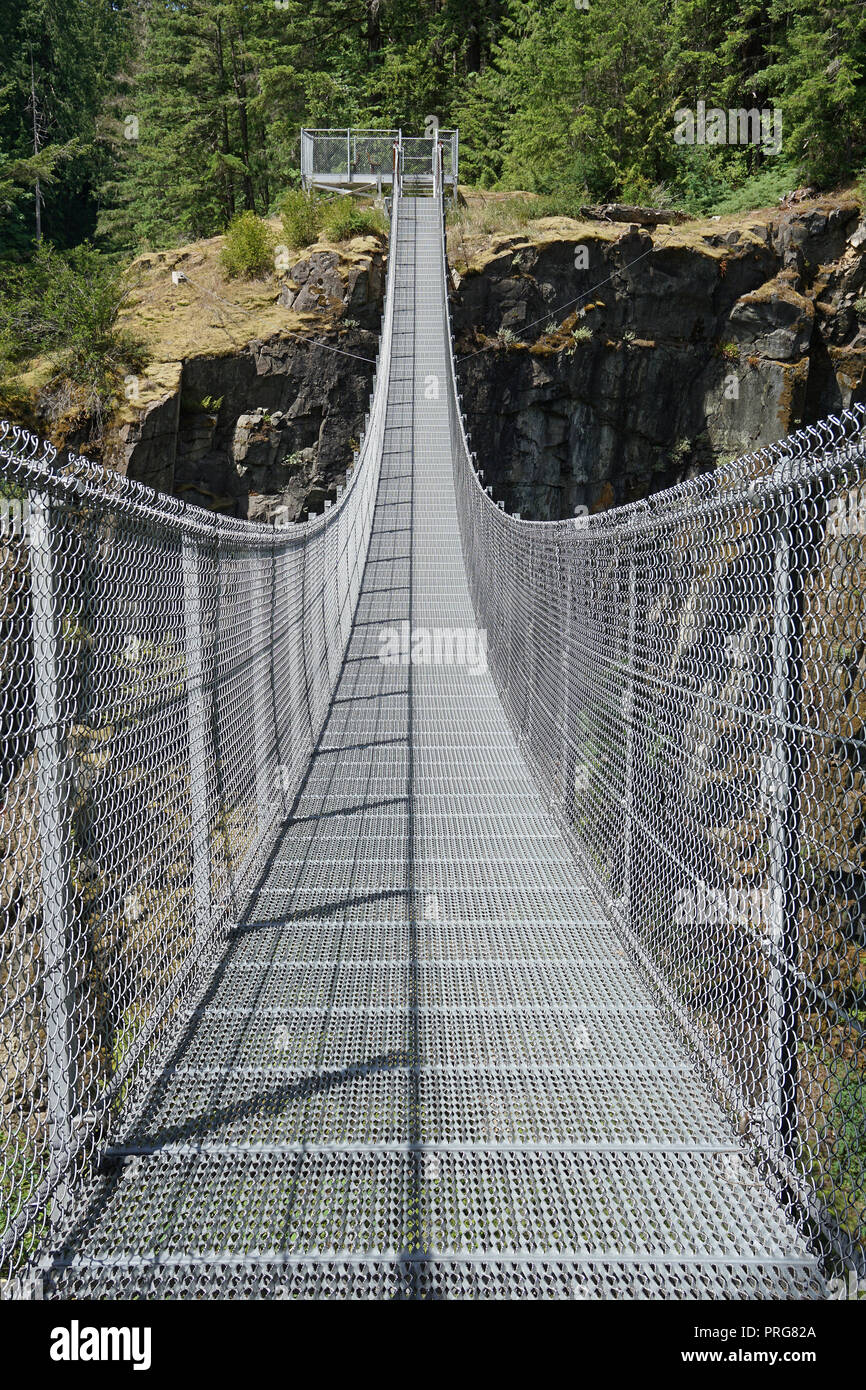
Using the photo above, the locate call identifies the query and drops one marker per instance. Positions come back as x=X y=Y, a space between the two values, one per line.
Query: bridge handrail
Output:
x=166 y=674
x=671 y=670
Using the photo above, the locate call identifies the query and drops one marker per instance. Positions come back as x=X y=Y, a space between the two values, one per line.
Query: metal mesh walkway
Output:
x=425 y=1065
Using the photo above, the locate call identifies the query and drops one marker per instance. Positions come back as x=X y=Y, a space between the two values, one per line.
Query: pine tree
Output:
x=588 y=99
x=55 y=63
x=819 y=71
x=196 y=156
x=166 y=117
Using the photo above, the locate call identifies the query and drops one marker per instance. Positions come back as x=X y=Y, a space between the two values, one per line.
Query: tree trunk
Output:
x=243 y=124
x=36 y=148
x=225 y=141
x=374 y=30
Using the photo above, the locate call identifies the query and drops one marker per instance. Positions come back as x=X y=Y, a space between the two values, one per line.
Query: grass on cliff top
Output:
x=484 y=224
x=83 y=341
x=210 y=312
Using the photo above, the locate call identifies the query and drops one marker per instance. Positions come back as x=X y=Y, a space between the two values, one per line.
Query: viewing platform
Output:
x=363 y=161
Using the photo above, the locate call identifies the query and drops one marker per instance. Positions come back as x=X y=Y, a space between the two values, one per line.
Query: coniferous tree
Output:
x=186 y=173
x=818 y=67
x=56 y=62
x=164 y=118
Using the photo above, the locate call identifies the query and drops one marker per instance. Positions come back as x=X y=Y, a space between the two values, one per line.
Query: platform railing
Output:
x=350 y=159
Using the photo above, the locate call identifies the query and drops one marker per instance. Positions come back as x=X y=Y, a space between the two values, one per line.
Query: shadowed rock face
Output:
x=587 y=387
x=696 y=344
x=289 y=417
x=272 y=424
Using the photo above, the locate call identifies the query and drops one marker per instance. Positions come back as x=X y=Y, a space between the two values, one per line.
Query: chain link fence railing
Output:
x=687 y=677
x=344 y=155
x=166 y=673
x=350 y=156
x=325 y=153
x=372 y=153
x=418 y=158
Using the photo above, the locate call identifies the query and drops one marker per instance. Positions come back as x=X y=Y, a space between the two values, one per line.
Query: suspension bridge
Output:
x=420 y=902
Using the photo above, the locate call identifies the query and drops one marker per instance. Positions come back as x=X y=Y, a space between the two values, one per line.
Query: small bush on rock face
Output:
x=302 y=219
x=249 y=248
x=860 y=308
x=680 y=451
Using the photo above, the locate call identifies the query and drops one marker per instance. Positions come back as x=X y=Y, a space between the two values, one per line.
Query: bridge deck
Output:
x=425 y=1065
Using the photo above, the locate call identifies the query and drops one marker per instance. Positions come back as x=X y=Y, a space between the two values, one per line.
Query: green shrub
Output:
x=706 y=183
x=680 y=452
x=193 y=404
x=860 y=308
x=343 y=219
x=249 y=248
x=305 y=219
x=637 y=189
x=58 y=300
x=302 y=219
x=64 y=305
x=760 y=190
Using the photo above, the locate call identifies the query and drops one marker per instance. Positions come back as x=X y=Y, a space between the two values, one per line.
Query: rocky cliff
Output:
x=603 y=361
x=255 y=395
